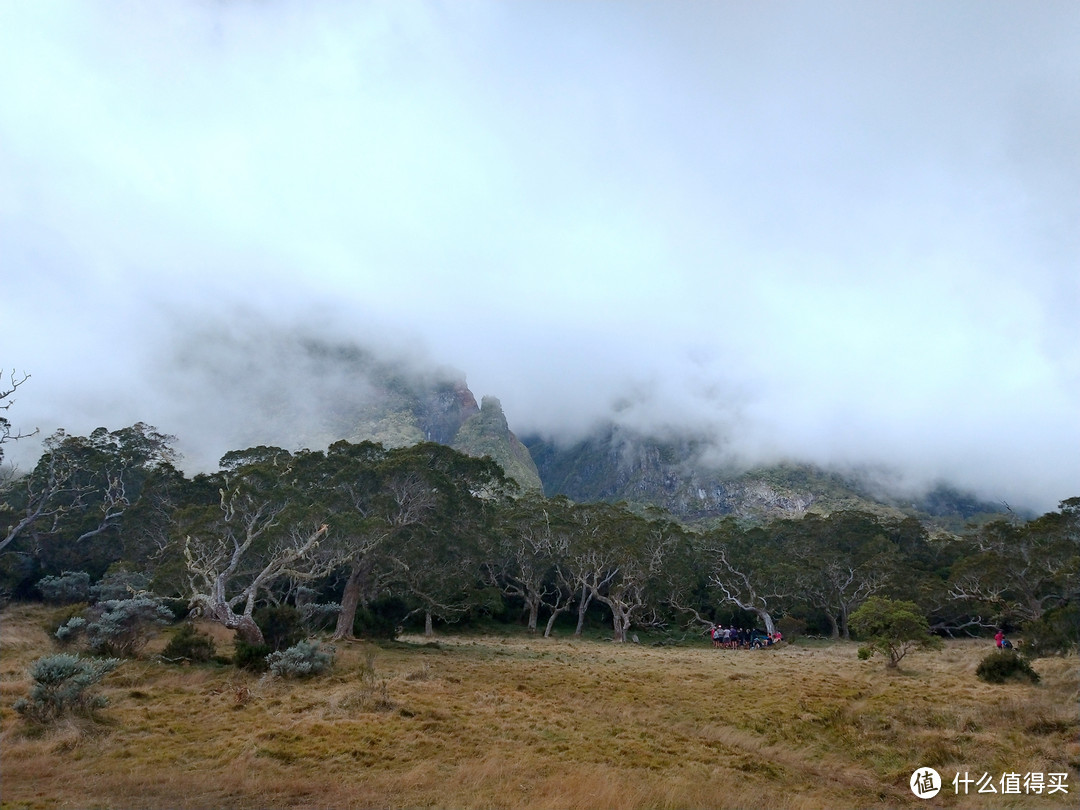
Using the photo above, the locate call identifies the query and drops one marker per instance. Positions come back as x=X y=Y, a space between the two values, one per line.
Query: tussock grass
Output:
x=508 y=721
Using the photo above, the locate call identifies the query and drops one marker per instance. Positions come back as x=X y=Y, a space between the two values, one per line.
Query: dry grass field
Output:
x=509 y=721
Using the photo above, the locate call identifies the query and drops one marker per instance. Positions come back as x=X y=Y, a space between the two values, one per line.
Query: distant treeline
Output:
x=386 y=538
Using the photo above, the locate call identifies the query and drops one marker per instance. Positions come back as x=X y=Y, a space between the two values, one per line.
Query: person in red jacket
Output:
x=999 y=638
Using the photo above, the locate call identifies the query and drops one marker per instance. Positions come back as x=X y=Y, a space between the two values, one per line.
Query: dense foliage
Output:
x=373 y=539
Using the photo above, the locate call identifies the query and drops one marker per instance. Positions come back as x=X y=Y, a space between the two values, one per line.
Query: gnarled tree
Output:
x=267 y=525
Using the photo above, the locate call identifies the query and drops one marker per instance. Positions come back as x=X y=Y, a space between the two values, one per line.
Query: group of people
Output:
x=735 y=638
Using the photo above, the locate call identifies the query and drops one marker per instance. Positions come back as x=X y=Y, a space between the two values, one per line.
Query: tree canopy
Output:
x=445 y=537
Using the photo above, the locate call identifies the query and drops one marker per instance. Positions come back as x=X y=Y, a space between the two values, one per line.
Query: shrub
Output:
x=62 y=686
x=302 y=660
x=281 y=625
x=250 y=656
x=188 y=644
x=120 y=585
x=70 y=586
x=118 y=627
x=70 y=629
x=1006 y=665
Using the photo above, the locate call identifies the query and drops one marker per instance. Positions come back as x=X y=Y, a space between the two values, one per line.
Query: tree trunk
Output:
x=550 y=623
x=247 y=630
x=834 y=624
x=429 y=629
x=350 y=601
x=766 y=619
x=620 y=624
x=243 y=624
x=583 y=606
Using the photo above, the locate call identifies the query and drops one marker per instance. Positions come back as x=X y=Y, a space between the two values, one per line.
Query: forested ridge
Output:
x=374 y=539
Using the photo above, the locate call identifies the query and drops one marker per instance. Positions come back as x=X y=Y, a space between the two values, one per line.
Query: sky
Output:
x=842 y=233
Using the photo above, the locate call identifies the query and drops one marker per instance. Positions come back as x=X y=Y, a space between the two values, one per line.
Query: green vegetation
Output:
x=891 y=627
x=373 y=538
x=68 y=587
x=188 y=644
x=62 y=685
x=1001 y=666
x=487 y=434
x=119 y=627
x=397 y=542
x=303 y=660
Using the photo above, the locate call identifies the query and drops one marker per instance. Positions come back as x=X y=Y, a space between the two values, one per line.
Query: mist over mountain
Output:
x=299 y=386
x=247 y=381
x=777 y=229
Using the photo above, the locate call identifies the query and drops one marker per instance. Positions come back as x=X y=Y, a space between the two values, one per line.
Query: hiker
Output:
x=999 y=639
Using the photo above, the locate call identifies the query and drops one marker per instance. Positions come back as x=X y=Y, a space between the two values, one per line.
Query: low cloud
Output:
x=784 y=229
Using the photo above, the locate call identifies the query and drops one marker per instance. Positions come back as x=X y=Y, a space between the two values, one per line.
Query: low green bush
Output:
x=120 y=584
x=62 y=616
x=282 y=626
x=303 y=660
x=62 y=686
x=250 y=656
x=188 y=644
x=1006 y=665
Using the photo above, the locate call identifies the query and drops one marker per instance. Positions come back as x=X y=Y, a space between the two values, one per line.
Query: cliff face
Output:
x=443 y=410
x=487 y=433
x=399 y=407
x=618 y=464
x=615 y=464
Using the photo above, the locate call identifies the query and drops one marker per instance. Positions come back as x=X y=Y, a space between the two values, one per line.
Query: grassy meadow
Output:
x=511 y=721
